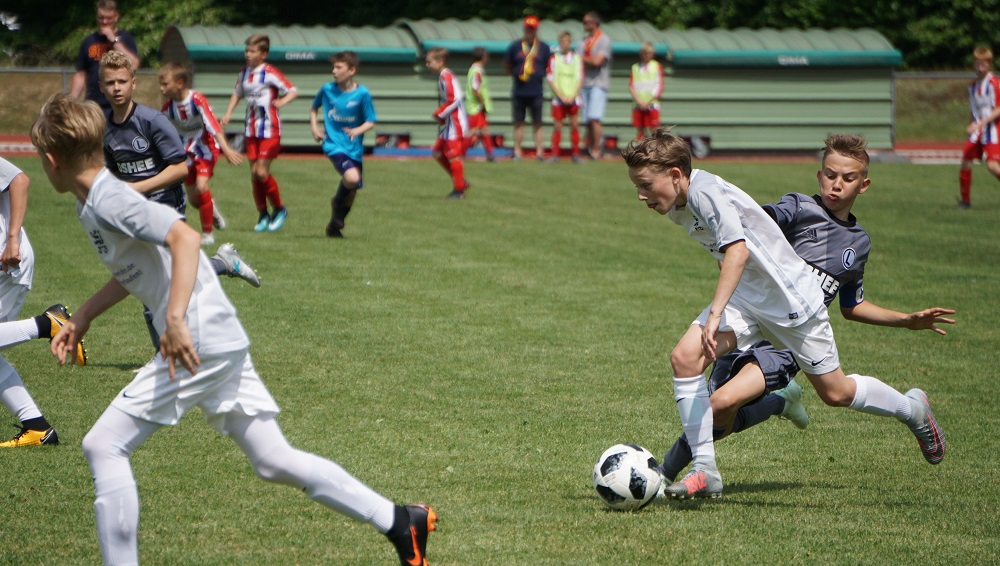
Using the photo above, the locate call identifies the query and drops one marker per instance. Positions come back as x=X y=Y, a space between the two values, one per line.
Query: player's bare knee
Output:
x=685 y=363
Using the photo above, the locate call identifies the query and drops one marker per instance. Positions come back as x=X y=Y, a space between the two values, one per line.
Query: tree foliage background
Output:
x=931 y=34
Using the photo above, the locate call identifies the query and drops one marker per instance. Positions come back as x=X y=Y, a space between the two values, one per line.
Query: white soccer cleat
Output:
x=207 y=239
x=794 y=410
x=235 y=265
x=218 y=221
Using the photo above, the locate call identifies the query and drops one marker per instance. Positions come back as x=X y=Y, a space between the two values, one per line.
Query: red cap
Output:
x=531 y=22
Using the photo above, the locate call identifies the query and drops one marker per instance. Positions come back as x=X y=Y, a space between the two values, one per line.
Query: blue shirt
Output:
x=344 y=110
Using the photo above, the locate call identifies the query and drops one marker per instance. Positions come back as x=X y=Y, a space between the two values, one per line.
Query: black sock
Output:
x=400 y=524
x=219 y=266
x=677 y=458
x=44 y=326
x=752 y=415
x=342 y=202
x=38 y=423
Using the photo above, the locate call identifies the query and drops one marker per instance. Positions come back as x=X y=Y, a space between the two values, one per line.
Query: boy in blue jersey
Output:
x=348 y=113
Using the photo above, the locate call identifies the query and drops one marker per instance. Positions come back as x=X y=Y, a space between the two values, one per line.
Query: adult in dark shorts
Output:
x=107 y=38
x=526 y=61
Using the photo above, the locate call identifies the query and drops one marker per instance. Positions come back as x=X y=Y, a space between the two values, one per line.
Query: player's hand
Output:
x=63 y=345
x=318 y=134
x=176 y=346
x=108 y=32
x=928 y=318
x=233 y=158
x=225 y=120
x=351 y=133
x=708 y=332
x=11 y=257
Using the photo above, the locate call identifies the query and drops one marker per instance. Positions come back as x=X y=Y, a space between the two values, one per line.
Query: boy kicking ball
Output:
x=204 y=356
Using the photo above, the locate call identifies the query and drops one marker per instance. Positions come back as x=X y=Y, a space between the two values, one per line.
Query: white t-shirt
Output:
x=23 y=273
x=128 y=232
x=776 y=285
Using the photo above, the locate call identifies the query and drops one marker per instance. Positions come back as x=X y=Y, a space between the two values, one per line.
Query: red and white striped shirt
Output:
x=197 y=125
x=984 y=96
x=261 y=86
x=455 y=122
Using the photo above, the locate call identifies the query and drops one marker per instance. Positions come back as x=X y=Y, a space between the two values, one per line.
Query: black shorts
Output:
x=173 y=196
x=520 y=104
x=778 y=366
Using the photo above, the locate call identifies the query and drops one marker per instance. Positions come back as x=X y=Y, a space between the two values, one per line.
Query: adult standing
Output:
x=526 y=61
x=596 y=52
x=86 y=80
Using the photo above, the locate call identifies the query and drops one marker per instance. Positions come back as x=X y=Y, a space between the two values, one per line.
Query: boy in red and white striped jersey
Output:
x=266 y=91
x=452 y=119
x=984 y=137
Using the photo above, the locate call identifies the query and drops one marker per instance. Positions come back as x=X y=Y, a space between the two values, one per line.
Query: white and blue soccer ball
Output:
x=626 y=477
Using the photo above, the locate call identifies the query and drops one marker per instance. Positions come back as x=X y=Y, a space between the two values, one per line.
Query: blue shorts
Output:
x=778 y=367
x=341 y=162
x=595 y=101
x=172 y=196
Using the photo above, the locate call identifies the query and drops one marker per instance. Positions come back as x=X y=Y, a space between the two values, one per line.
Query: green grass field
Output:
x=479 y=355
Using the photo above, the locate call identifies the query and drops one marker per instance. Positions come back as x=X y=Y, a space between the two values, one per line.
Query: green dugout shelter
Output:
x=744 y=90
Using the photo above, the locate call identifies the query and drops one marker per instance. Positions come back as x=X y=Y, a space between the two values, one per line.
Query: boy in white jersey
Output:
x=765 y=291
x=204 y=357
x=17 y=266
x=565 y=76
x=348 y=113
x=984 y=131
x=266 y=90
x=203 y=139
x=822 y=231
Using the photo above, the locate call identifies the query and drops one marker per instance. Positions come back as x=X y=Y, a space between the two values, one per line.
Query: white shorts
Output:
x=811 y=342
x=224 y=383
x=12 y=297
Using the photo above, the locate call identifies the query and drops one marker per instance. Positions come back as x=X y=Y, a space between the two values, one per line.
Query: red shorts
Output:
x=450 y=148
x=477 y=121
x=199 y=168
x=263 y=148
x=648 y=118
x=974 y=151
x=560 y=111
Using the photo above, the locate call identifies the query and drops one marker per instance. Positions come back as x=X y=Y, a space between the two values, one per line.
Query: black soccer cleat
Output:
x=411 y=544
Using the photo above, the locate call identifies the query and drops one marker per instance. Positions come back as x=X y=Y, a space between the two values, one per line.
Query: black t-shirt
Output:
x=94 y=47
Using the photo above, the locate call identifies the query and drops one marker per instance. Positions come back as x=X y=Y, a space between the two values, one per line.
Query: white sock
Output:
x=695 y=408
x=877 y=398
x=15 y=395
x=17 y=332
x=323 y=481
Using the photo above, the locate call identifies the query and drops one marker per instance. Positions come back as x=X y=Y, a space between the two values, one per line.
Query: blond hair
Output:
x=660 y=152
x=982 y=53
x=71 y=130
x=854 y=146
x=261 y=41
x=116 y=60
x=647 y=47
x=175 y=71
x=438 y=54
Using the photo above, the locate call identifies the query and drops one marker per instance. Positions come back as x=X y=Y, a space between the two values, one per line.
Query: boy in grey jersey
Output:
x=759 y=279
x=204 y=358
x=827 y=236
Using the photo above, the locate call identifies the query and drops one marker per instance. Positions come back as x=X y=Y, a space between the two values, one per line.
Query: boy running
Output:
x=348 y=113
x=765 y=290
x=984 y=132
x=266 y=91
x=824 y=233
x=452 y=121
x=205 y=362
x=203 y=138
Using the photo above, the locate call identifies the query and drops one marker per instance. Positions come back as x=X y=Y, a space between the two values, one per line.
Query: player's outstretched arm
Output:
x=64 y=343
x=730 y=272
x=176 y=344
x=927 y=319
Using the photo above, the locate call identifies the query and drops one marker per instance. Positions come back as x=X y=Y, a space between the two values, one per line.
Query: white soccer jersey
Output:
x=984 y=96
x=776 y=285
x=23 y=273
x=261 y=86
x=128 y=232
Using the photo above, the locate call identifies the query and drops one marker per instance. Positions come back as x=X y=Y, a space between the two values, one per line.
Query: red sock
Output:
x=457 y=174
x=273 y=194
x=259 y=194
x=488 y=144
x=556 y=140
x=574 y=138
x=965 y=183
x=205 y=209
x=443 y=162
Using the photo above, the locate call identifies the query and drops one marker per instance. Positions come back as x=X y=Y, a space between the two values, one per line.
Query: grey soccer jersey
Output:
x=836 y=250
x=142 y=146
x=128 y=233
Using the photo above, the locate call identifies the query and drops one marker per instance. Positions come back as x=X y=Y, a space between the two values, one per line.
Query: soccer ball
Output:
x=626 y=478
